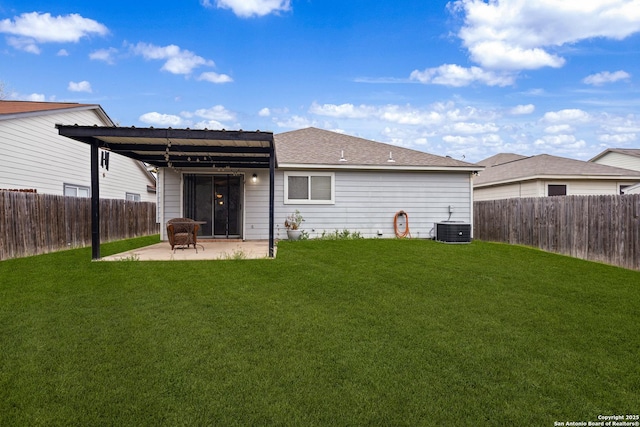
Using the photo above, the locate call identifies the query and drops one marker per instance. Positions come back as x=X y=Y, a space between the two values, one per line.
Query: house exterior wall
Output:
x=509 y=191
x=538 y=188
x=34 y=156
x=365 y=202
x=620 y=160
x=255 y=206
x=634 y=189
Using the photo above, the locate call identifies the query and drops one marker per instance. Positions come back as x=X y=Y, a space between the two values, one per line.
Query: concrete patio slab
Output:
x=207 y=250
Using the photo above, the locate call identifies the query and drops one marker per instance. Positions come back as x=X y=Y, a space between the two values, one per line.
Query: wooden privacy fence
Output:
x=596 y=228
x=32 y=224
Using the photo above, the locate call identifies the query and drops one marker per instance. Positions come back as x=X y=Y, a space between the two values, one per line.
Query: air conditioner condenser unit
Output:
x=453 y=232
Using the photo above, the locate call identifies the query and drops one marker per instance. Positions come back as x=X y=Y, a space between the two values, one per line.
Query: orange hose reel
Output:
x=401 y=234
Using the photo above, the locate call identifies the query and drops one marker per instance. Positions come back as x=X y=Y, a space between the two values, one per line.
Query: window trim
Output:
x=309 y=201
x=135 y=197
x=76 y=187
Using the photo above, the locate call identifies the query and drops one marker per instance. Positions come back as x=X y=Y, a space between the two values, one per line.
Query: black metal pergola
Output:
x=175 y=148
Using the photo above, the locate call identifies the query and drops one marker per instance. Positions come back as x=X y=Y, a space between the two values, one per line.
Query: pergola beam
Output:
x=168 y=133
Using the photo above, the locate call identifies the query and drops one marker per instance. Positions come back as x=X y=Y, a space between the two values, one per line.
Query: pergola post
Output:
x=272 y=167
x=95 y=203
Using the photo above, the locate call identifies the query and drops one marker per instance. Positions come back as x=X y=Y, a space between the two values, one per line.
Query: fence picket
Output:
x=596 y=228
x=32 y=223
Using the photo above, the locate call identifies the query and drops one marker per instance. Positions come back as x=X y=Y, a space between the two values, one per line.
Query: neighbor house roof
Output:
x=547 y=166
x=500 y=158
x=15 y=109
x=634 y=152
x=317 y=148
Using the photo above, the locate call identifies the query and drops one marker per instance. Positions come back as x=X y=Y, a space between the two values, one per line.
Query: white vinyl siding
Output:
x=255 y=207
x=170 y=198
x=366 y=202
x=620 y=160
x=34 y=156
x=538 y=188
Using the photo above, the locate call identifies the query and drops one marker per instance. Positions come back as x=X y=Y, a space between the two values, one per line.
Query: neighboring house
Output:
x=238 y=183
x=34 y=157
x=632 y=189
x=510 y=175
x=628 y=158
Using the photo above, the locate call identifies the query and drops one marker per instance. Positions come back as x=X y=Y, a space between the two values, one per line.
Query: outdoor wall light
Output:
x=254 y=178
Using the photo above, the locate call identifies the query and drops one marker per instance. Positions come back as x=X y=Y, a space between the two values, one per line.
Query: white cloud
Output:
x=35 y=97
x=24 y=44
x=520 y=110
x=295 y=122
x=501 y=56
x=209 y=124
x=474 y=128
x=30 y=29
x=177 y=61
x=211 y=118
x=249 y=8
x=599 y=79
x=214 y=77
x=436 y=115
x=62 y=52
x=343 y=110
x=157 y=119
x=618 y=139
x=562 y=141
x=105 y=55
x=457 y=76
x=83 y=86
x=265 y=112
x=217 y=113
x=568 y=115
x=558 y=129
x=515 y=35
x=492 y=140
x=460 y=140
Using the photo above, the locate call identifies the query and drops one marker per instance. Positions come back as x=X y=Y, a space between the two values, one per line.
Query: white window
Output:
x=76 y=190
x=309 y=188
x=133 y=197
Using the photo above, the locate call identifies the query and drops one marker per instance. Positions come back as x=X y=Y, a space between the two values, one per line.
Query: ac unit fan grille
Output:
x=453 y=232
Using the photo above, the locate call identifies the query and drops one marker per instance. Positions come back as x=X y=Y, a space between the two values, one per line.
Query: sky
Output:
x=462 y=78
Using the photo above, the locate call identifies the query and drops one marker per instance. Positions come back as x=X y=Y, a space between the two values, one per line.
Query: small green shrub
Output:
x=340 y=235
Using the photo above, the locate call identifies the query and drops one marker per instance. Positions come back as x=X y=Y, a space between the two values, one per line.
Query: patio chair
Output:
x=182 y=232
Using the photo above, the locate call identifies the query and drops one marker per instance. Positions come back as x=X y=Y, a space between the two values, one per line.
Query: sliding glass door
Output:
x=217 y=201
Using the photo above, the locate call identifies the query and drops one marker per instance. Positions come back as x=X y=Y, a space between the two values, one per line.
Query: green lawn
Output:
x=348 y=332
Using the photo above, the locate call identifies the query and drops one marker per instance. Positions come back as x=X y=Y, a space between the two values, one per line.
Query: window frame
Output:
x=566 y=190
x=132 y=197
x=309 y=200
x=77 y=187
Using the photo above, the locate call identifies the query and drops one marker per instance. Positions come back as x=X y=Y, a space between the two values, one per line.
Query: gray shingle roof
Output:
x=545 y=165
x=500 y=158
x=318 y=147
